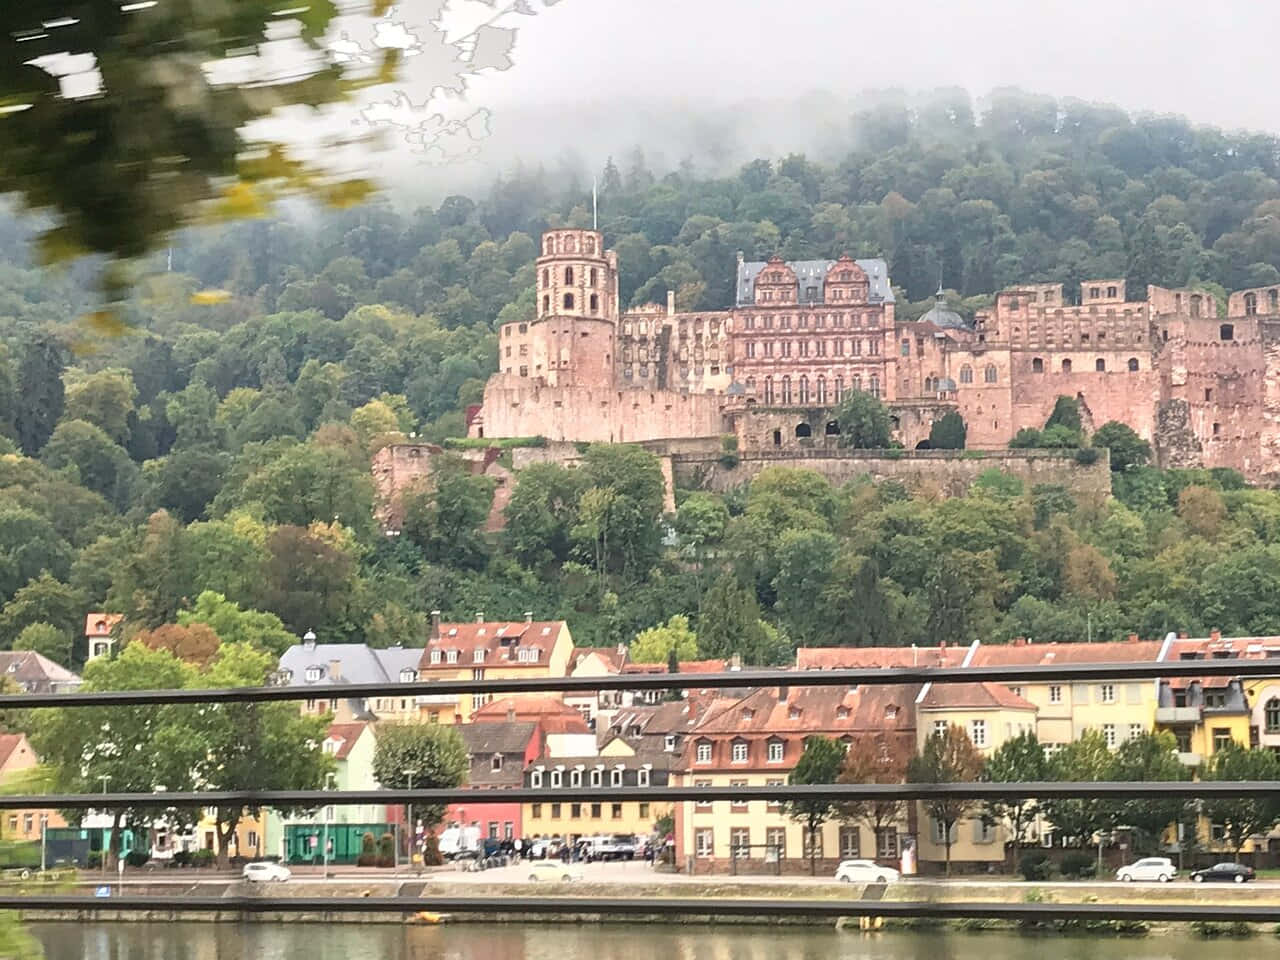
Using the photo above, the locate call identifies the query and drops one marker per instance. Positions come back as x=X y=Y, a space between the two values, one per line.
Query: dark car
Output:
x=1224 y=872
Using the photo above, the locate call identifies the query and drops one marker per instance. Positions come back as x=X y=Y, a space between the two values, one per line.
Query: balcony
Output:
x=437 y=699
x=1189 y=759
x=1177 y=714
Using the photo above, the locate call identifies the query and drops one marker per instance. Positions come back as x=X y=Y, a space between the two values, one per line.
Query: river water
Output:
x=262 y=941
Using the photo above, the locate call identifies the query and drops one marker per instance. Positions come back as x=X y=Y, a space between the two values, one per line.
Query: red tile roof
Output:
x=972 y=695
x=1032 y=654
x=548 y=712
x=346 y=734
x=498 y=641
x=870 y=658
x=101 y=624
x=614 y=658
x=686 y=666
x=9 y=742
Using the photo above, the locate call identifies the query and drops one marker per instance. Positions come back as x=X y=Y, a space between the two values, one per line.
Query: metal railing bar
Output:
x=615 y=906
x=834 y=793
x=1092 y=672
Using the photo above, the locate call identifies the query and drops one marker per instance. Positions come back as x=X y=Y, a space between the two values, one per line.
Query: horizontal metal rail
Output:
x=645 y=906
x=822 y=793
x=1088 y=672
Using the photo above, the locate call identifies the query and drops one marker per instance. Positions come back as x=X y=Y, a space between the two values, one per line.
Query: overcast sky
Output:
x=1207 y=60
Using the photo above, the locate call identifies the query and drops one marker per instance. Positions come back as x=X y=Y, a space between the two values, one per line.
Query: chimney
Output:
x=783 y=693
x=528 y=617
x=1215 y=635
x=435 y=625
x=622 y=651
x=735 y=662
x=479 y=616
x=671 y=303
x=335 y=669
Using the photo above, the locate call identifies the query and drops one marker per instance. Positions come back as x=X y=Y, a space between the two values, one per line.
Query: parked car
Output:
x=553 y=870
x=1148 y=868
x=1224 y=872
x=865 y=871
x=264 y=871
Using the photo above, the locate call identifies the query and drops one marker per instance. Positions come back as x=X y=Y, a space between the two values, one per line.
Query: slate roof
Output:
x=490 y=738
x=36 y=673
x=358 y=663
x=810 y=273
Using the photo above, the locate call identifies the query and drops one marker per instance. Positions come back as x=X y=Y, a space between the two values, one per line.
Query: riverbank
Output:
x=861 y=899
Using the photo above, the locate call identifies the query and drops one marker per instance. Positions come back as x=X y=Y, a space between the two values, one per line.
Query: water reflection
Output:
x=259 y=941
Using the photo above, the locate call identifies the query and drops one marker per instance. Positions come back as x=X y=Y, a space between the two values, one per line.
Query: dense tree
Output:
x=863 y=421
x=1127 y=448
x=195 y=644
x=1020 y=759
x=541 y=513
x=947 y=757
x=40 y=395
x=656 y=644
x=819 y=764
x=445 y=514
x=46 y=640
x=947 y=432
x=1085 y=759
x=1150 y=757
x=435 y=754
x=875 y=758
x=252 y=628
x=1240 y=818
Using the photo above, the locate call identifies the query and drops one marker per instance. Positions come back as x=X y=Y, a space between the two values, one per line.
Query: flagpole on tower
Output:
x=595 y=206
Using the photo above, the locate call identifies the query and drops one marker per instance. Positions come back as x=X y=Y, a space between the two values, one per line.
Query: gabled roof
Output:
x=978 y=696
x=813 y=273
x=9 y=743
x=357 y=663
x=36 y=673
x=101 y=624
x=489 y=738
x=1030 y=654
x=497 y=641
x=548 y=712
x=345 y=735
x=826 y=710
x=870 y=658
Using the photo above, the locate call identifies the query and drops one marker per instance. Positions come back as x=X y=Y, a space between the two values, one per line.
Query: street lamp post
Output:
x=328 y=816
x=412 y=833
x=44 y=830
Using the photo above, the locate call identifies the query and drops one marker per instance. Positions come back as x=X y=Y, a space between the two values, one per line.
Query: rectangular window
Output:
x=493 y=829
x=1135 y=730
x=776 y=840
x=644 y=811
x=1221 y=738
x=813 y=844
x=940 y=728
x=704 y=753
x=535 y=811
x=740 y=751
x=906 y=348
x=740 y=843
x=615 y=811
x=886 y=843
x=595 y=811
x=703 y=804
x=939 y=837
x=1109 y=734
x=983 y=831
x=775 y=751
x=1107 y=693
x=702 y=841
x=555 y=811
x=850 y=843
x=508 y=830
x=1055 y=693
x=737 y=805
x=774 y=805
x=575 y=810
x=978 y=733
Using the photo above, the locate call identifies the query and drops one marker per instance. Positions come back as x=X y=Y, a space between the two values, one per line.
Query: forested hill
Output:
x=221 y=441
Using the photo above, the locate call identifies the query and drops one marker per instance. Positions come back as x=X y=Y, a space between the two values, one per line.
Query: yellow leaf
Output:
x=58 y=245
x=208 y=298
x=348 y=193
x=107 y=322
x=241 y=200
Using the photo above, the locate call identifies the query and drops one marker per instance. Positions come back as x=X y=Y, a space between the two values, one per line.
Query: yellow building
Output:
x=1205 y=714
x=486 y=650
x=247 y=841
x=989 y=714
x=616 y=765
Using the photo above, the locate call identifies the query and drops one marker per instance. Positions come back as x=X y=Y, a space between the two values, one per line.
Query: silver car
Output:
x=1160 y=869
x=265 y=871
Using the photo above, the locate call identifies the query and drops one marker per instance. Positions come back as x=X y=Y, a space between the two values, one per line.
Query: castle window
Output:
x=546 y=278
x=1133 y=364
x=837 y=348
x=550 y=245
x=777 y=438
x=1100 y=365
x=990 y=374
x=546 y=304
x=1111 y=291
x=751 y=349
x=568 y=301
x=595 y=303
x=1227 y=331
x=1066 y=366
x=839 y=389
x=875 y=385
x=786 y=348
x=966 y=374
x=594 y=277
x=1217 y=429
x=822 y=390
x=846 y=275
x=804 y=390
x=804 y=348
x=768 y=389
x=768 y=348
x=1250 y=305
x=1094 y=293
x=786 y=389
x=1273 y=301
x=568 y=274
x=524 y=371
x=751 y=323
x=906 y=348
x=590 y=245
x=1037 y=365
x=1208 y=395
x=524 y=328
x=1196 y=301
x=811 y=293
x=803 y=431
x=857 y=383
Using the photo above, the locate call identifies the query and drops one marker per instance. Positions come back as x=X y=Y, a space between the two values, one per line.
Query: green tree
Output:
x=1150 y=757
x=806 y=566
x=46 y=640
x=881 y=757
x=43 y=600
x=657 y=643
x=1066 y=413
x=1086 y=759
x=947 y=757
x=1240 y=818
x=863 y=421
x=730 y=624
x=436 y=754
x=105 y=399
x=947 y=432
x=701 y=522
x=1019 y=759
x=40 y=395
x=251 y=628
x=1127 y=448
x=445 y=515
x=99 y=463
x=819 y=764
x=541 y=513
x=624 y=529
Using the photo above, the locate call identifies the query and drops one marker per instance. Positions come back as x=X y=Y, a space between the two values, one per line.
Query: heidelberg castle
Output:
x=1204 y=390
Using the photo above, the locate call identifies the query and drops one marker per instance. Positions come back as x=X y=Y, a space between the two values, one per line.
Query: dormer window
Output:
x=478 y=656
x=775 y=751
x=451 y=656
x=496 y=763
x=435 y=656
x=739 y=753
x=635 y=730
x=704 y=752
x=615 y=777
x=575 y=777
x=793 y=713
x=748 y=714
x=313 y=674
x=535 y=778
x=642 y=777
x=669 y=743
x=596 y=777
x=842 y=713
x=408 y=676
x=557 y=778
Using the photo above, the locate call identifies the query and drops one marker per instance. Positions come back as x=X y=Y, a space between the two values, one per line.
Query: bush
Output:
x=431 y=856
x=1239 y=930
x=94 y=860
x=1087 y=456
x=367 y=860
x=181 y=858
x=1077 y=865
x=137 y=858
x=1035 y=865
x=386 y=847
x=202 y=858
x=368 y=844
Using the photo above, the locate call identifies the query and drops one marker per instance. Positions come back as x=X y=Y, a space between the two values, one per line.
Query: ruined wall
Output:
x=401 y=467
x=1268 y=466
x=929 y=472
